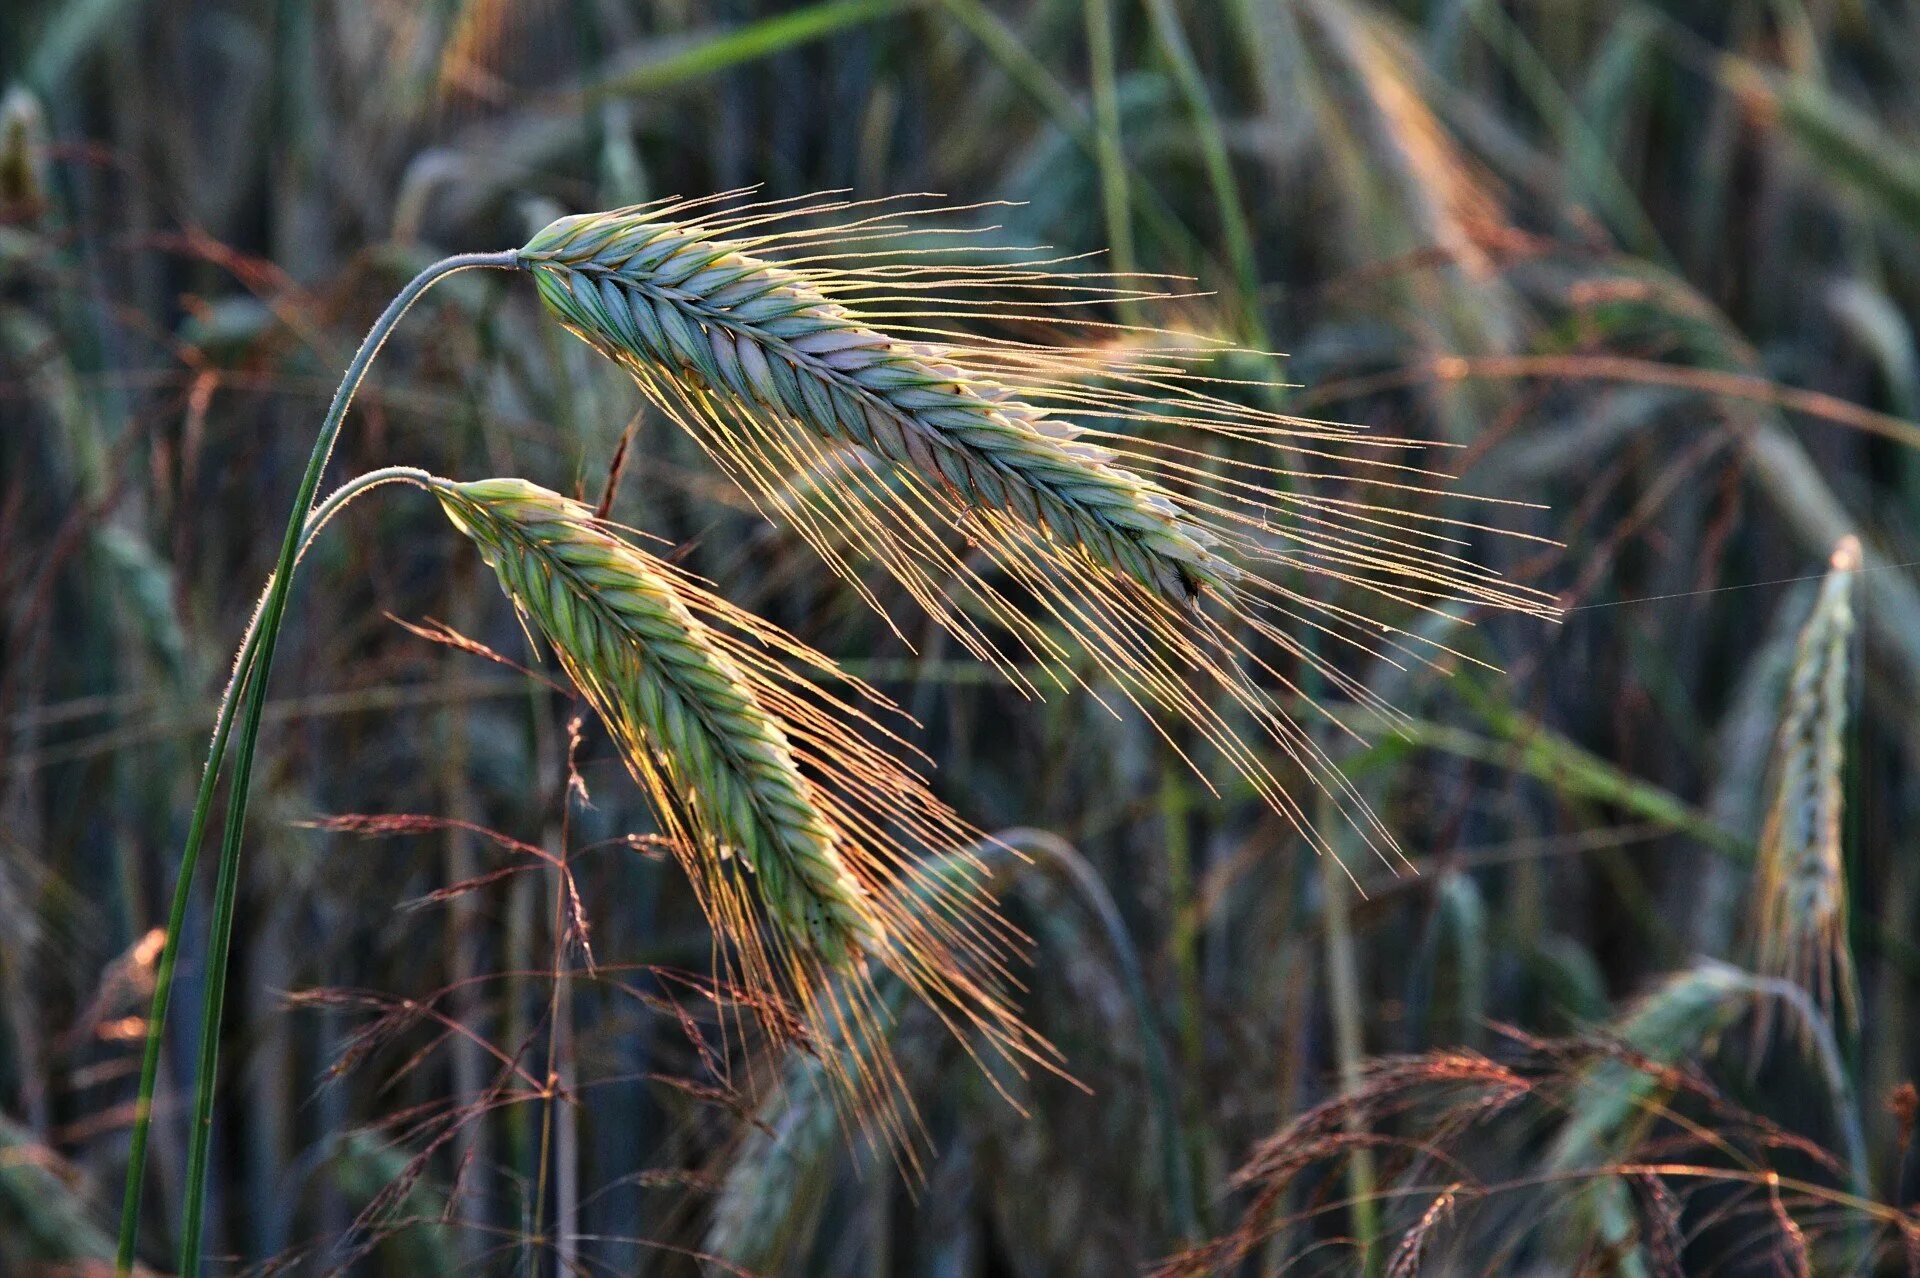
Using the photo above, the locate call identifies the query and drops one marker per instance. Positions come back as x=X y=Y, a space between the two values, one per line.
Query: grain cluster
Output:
x=819 y=854
x=1100 y=508
x=1801 y=893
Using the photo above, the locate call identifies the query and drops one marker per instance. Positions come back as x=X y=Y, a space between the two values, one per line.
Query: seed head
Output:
x=647 y=664
x=1801 y=896
x=1128 y=505
x=670 y=298
x=808 y=841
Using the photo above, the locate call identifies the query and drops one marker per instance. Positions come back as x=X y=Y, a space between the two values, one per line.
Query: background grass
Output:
x=1654 y=266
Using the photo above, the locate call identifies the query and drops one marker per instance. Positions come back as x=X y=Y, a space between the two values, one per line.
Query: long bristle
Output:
x=1131 y=510
x=807 y=841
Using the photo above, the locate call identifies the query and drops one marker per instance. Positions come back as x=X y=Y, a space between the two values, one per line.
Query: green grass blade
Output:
x=1109 y=151
x=746 y=43
x=256 y=661
x=1219 y=164
x=169 y=958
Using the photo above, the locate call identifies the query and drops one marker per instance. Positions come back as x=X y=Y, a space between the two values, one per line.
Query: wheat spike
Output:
x=808 y=841
x=761 y=334
x=769 y=1204
x=648 y=665
x=1801 y=898
x=1130 y=509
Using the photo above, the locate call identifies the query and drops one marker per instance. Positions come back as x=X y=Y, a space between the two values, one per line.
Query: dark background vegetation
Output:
x=1652 y=265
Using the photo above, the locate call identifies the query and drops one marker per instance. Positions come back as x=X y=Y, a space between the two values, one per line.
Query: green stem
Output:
x=356 y=487
x=1219 y=165
x=163 y=977
x=1349 y=1042
x=169 y=956
x=1183 y=945
x=176 y=919
x=226 y=887
x=249 y=680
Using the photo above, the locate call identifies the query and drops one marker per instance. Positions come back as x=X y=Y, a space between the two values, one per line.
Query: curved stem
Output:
x=358 y=486
x=249 y=681
x=226 y=886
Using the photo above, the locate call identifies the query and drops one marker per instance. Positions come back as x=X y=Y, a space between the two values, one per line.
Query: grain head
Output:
x=774 y=1191
x=1800 y=918
x=1126 y=504
x=806 y=837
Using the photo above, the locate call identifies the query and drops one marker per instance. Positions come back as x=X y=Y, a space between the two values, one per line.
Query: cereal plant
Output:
x=898 y=443
x=1020 y=637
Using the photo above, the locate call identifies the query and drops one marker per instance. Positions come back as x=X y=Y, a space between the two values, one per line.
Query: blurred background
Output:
x=1651 y=266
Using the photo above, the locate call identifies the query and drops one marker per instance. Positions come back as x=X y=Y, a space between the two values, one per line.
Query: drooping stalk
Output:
x=248 y=681
x=227 y=885
x=1073 y=870
x=169 y=956
x=273 y=611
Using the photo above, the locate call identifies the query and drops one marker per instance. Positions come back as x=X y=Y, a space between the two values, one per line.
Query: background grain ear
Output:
x=1800 y=897
x=1643 y=276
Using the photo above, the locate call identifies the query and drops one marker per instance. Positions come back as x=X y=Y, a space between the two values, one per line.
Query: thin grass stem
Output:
x=169 y=958
x=249 y=680
x=176 y=918
x=1219 y=165
x=226 y=889
x=1344 y=994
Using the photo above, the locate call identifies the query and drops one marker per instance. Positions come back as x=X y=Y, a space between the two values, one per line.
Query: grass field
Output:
x=1299 y=654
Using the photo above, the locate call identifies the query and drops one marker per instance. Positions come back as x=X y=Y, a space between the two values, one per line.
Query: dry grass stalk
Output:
x=806 y=840
x=1801 y=900
x=1411 y=1250
x=1458 y=1132
x=1461 y=1089
x=1127 y=505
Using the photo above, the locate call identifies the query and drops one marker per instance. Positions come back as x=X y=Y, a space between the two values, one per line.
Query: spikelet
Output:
x=775 y=1187
x=1800 y=920
x=808 y=841
x=1127 y=509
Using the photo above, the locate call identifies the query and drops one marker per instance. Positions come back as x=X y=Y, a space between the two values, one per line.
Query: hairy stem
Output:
x=248 y=682
x=226 y=888
x=169 y=956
